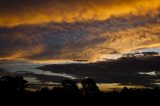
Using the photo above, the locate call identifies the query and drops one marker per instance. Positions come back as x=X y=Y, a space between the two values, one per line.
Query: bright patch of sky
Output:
x=147 y=50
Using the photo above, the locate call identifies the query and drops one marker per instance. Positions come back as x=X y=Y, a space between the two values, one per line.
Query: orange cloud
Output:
x=80 y=40
x=47 y=30
x=17 y=12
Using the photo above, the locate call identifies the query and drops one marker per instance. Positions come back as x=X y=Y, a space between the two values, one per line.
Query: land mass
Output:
x=124 y=70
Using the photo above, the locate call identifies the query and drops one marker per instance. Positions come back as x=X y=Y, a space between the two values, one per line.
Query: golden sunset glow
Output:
x=26 y=12
x=53 y=30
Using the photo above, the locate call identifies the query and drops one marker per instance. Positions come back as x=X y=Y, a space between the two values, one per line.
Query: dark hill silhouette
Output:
x=124 y=70
x=151 y=62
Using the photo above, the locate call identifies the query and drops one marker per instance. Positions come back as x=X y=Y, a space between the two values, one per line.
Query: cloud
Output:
x=80 y=40
x=19 y=12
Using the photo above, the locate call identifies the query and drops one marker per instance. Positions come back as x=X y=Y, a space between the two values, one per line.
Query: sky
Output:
x=46 y=30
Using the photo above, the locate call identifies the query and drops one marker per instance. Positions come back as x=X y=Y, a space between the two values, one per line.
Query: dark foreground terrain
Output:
x=14 y=88
x=123 y=71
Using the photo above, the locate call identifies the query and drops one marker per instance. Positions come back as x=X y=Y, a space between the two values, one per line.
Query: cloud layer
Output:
x=16 y=12
x=83 y=29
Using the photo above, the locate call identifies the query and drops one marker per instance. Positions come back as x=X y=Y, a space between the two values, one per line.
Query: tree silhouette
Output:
x=14 y=88
x=89 y=87
x=70 y=88
x=12 y=85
